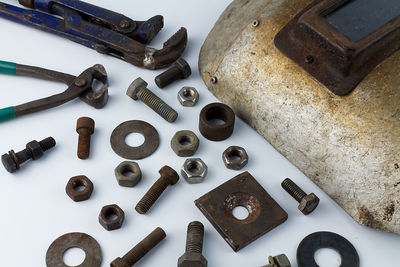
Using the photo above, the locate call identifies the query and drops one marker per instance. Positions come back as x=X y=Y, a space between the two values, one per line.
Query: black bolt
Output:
x=308 y=203
x=194 y=247
x=180 y=70
x=34 y=150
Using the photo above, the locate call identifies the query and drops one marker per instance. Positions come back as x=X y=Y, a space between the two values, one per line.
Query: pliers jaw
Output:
x=97 y=99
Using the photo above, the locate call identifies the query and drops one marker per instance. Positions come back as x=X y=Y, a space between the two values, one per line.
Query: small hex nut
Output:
x=308 y=204
x=111 y=217
x=79 y=188
x=185 y=143
x=192 y=260
x=194 y=170
x=128 y=173
x=188 y=96
x=235 y=157
x=35 y=148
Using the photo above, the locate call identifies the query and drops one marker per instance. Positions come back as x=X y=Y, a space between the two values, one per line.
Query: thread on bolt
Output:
x=293 y=189
x=195 y=234
x=47 y=143
x=158 y=105
x=151 y=196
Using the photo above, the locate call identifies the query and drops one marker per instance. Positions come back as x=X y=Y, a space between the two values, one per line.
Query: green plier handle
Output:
x=7 y=68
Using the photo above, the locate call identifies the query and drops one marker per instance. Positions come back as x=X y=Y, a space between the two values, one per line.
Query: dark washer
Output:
x=315 y=241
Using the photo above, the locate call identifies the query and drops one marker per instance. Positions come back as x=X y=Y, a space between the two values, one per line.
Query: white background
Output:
x=35 y=209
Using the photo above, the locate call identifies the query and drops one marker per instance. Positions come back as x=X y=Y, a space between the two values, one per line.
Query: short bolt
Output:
x=85 y=128
x=140 y=250
x=167 y=177
x=34 y=150
x=194 y=247
x=138 y=90
x=308 y=203
x=278 y=261
x=180 y=70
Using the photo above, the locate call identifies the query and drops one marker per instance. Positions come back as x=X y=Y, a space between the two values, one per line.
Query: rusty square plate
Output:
x=242 y=190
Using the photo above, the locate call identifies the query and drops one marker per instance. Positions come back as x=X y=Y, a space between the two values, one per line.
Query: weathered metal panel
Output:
x=349 y=145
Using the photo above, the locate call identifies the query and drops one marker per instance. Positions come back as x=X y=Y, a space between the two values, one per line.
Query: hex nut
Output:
x=79 y=188
x=235 y=157
x=185 y=143
x=128 y=173
x=194 y=170
x=191 y=260
x=35 y=148
x=111 y=217
x=188 y=96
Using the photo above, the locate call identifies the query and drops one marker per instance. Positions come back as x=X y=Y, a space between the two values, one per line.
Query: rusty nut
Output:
x=128 y=173
x=235 y=157
x=185 y=143
x=194 y=170
x=79 y=188
x=111 y=217
x=188 y=96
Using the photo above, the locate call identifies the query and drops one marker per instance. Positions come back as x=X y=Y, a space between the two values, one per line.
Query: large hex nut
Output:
x=235 y=157
x=191 y=260
x=111 y=217
x=79 y=188
x=188 y=96
x=128 y=173
x=194 y=170
x=185 y=143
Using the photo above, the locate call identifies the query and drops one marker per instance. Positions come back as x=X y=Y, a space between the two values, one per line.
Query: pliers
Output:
x=78 y=86
x=105 y=31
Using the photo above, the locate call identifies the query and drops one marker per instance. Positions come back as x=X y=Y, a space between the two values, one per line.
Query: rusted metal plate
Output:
x=243 y=190
x=328 y=54
x=349 y=146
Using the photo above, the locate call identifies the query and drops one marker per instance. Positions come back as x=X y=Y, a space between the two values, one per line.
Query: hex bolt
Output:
x=308 y=203
x=140 y=250
x=167 y=177
x=278 y=261
x=194 y=247
x=180 y=70
x=138 y=90
x=85 y=128
x=34 y=150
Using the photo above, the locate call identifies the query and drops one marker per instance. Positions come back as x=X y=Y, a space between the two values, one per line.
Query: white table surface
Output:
x=36 y=210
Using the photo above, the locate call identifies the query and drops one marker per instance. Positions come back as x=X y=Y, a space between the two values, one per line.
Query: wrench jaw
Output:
x=147 y=30
x=97 y=99
x=171 y=51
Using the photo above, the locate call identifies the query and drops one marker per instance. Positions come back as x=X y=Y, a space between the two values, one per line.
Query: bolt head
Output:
x=135 y=87
x=192 y=260
x=9 y=163
x=308 y=204
x=184 y=67
x=35 y=148
x=118 y=262
x=85 y=122
x=169 y=174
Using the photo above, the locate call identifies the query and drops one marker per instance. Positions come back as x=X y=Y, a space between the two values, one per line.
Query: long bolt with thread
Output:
x=194 y=246
x=138 y=90
x=308 y=203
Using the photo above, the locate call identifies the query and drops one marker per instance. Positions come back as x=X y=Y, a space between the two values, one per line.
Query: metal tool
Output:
x=80 y=86
x=105 y=31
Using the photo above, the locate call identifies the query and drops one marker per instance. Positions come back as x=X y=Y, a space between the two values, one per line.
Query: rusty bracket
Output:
x=339 y=42
x=243 y=190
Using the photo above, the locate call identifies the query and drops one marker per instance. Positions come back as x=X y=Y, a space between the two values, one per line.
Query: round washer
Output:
x=151 y=139
x=55 y=253
x=315 y=241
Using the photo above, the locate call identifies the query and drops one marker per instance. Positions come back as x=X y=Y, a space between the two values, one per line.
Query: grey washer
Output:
x=55 y=253
x=151 y=139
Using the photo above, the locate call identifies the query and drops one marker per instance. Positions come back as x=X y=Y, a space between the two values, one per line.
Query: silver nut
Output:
x=235 y=157
x=185 y=143
x=128 y=173
x=188 y=96
x=194 y=170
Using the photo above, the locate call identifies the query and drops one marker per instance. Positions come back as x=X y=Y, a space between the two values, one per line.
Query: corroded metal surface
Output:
x=349 y=146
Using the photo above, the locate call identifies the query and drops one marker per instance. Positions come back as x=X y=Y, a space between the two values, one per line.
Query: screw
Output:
x=34 y=150
x=85 y=128
x=194 y=247
x=138 y=90
x=180 y=70
x=167 y=177
x=140 y=250
x=307 y=202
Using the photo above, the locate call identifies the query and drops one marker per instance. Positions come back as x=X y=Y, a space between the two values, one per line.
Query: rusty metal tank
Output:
x=348 y=145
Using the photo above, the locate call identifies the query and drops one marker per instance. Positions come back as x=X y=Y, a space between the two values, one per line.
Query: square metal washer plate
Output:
x=242 y=190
